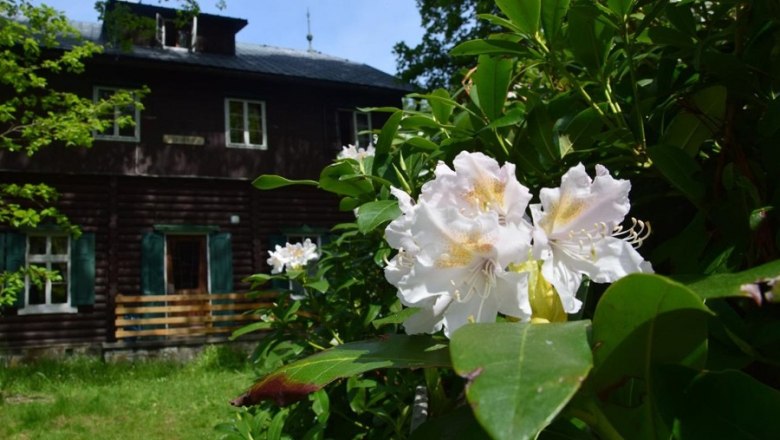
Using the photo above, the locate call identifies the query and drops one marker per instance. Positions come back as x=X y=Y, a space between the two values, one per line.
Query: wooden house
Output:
x=167 y=207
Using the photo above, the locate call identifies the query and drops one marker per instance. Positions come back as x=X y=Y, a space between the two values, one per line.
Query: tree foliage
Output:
x=36 y=44
x=680 y=98
x=447 y=23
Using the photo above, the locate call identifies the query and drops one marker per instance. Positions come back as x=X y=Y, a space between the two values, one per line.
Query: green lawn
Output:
x=88 y=399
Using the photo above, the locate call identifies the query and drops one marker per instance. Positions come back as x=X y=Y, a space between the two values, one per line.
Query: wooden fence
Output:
x=185 y=315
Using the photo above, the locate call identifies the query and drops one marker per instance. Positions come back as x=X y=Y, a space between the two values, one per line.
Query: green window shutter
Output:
x=221 y=262
x=2 y=251
x=15 y=257
x=153 y=264
x=82 y=270
x=280 y=240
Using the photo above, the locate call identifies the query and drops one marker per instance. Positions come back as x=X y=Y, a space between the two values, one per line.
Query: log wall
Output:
x=119 y=209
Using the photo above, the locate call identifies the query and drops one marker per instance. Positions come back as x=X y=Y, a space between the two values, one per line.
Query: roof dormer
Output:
x=171 y=29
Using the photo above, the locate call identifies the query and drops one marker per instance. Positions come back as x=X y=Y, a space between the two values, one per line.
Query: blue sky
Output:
x=360 y=30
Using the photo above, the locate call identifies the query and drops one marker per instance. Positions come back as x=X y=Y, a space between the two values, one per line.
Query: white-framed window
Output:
x=171 y=34
x=245 y=124
x=117 y=132
x=50 y=252
x=354 y=128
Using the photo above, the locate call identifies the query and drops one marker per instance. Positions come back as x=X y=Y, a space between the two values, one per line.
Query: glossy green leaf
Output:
x=295 y=381
x=387 y=134
x=715 y=405
x=492 y=83
x=251 y=328
x=321 y=286
x=339 y=178
x=374 y=214
x=589 y=37
x=441 y=105
x=620 y=7
x=489 y=47
x=520 y=374
x=422 y=143
x=582 y=128
x=540 y=130
x=553 y=13
x=523 y=13
x=456 y=425
x=396 y=318
x=679 y=169
x=690 y=128
x=642 y=321
x=272 y=181
x=731 y=284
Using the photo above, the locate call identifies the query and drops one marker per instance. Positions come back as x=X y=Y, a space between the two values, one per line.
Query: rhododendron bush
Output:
x=579 y=243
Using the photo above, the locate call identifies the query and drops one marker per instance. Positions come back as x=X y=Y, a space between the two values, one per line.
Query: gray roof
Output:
x=263 y=59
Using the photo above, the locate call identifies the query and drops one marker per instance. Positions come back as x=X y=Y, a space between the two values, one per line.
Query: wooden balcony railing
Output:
x=185 y=315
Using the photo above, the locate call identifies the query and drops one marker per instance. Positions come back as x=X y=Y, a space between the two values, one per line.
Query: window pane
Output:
x=59 y=245
x=37 y=292
x=255 y=137
x=236 y=136
x=59 y=293
x=59 y=289
x=363 y=125
x=37 y=245
x=129 y=129
x=236 y=111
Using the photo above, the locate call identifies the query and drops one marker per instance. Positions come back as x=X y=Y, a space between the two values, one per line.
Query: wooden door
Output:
x=186 y=269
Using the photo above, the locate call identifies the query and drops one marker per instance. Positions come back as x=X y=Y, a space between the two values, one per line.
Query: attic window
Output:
x=354 y=128
x=176 y=33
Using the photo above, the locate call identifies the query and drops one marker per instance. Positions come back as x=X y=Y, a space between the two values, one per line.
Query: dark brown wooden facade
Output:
x=120 y=190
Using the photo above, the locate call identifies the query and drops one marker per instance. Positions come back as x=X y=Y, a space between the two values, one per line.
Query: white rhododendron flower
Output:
x=458 y=273
x=577 y=232
x=478 y=186
x=353 y=152
x=465 y=250
x=293 y=256
x=455 y=245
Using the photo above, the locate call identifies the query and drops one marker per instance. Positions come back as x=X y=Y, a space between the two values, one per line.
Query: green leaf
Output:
x=488 y=47
x=690 y=128
x=272 y=181
x=589 y=37
x=642 y=321
x=582 y=128
x=540 y=131
x=374 y=214
x=456 y=425
x=396 y=318
x=339 y=178
x=520 y=374
x=295 y=381
x=321 y=286
x=553 y=13
x=422 y=143
x=492 y=82
x=680 y=170
x=387 y=134
x=731 y=284
x=250 y=328
x=620 y=7
x=441 y=105
x=727 y=405
x=523 y=13
x=512 y=117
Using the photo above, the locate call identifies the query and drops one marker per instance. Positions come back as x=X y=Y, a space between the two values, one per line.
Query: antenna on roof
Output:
x=309 y=36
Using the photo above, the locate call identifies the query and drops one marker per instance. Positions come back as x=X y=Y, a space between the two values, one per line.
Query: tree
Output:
x=36 y=43
x=447 y=23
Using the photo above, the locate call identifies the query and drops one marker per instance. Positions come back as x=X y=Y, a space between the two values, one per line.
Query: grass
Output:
x=85 y=398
